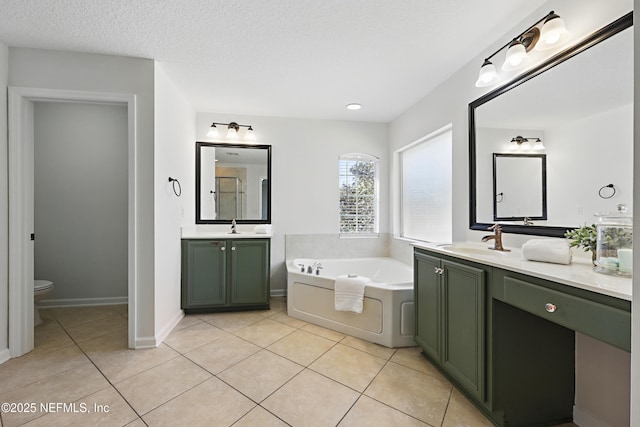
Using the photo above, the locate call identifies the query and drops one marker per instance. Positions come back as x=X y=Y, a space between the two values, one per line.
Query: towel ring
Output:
x=602 y=190
x=177 y=192
x=499 y=197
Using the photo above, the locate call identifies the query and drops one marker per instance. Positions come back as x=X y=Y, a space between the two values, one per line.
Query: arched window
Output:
x=358 y=185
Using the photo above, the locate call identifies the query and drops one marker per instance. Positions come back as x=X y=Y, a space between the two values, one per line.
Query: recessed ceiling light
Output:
x=354 y=106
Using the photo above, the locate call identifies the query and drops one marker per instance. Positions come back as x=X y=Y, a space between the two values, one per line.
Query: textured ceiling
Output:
x=290 y=58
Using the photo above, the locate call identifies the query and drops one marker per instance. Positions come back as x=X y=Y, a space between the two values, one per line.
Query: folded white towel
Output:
x=262 y=229
x=349 y=293
x=547 y=250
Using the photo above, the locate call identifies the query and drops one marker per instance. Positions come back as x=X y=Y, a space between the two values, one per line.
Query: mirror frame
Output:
x=199 y=220
x=543 y=182
x=596 y=37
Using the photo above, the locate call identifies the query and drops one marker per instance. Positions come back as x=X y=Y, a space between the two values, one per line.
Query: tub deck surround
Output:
x=579 y=273
x=388 y=315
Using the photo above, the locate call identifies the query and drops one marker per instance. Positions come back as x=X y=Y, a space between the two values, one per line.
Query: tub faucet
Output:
x=496 y=237
x=315 y=266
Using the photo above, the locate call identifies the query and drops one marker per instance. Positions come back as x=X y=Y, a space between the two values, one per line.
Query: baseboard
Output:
x=278 y=293
x=160 y=336
x=584 y=419
x=145 y=342
x=82 y=302
x=4 y=355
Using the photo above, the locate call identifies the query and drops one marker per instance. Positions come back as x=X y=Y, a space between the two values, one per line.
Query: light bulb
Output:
x=538 y=145
x=487 y=75
x=232 y=133
x=213 y=132
x=553 y=33
x=250 y=135
x=516 y=58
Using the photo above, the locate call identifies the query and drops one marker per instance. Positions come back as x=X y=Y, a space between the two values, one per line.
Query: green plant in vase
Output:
x=585 y=237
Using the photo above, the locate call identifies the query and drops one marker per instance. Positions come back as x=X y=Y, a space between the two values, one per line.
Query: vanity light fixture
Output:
x=552 y=33
x=522 y=142
x=233 y=130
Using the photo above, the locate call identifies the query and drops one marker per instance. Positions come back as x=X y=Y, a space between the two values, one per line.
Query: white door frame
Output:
x=21 y=124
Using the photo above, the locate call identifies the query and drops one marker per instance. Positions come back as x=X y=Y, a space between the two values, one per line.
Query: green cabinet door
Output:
x=250 y=266
x=203 y=273
x=427 y=303
x=450 y=318
x=463 y=325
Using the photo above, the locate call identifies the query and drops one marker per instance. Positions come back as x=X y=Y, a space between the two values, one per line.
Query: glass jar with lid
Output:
x=614 y=246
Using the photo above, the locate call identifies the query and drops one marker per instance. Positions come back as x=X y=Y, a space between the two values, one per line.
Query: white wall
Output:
x=635 y=308
x=174 y=157
x=305 y=173
x=4 y=211
x=109 y=74
x=448 y=103
x=80 y=182
x=602 y=140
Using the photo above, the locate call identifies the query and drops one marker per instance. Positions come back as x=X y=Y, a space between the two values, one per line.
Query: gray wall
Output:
x=4 y=211
x=80 y=182
x=110 y=74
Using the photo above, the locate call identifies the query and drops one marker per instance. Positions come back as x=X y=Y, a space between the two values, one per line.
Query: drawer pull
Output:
x=550 y=307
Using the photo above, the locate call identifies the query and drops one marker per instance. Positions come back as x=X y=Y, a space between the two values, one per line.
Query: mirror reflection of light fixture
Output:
x=233 y=130
x=552 y=34
x=524 y=143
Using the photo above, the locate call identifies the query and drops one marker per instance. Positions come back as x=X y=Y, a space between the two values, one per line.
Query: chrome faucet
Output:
x=315 y=266
x=233 y=227
x=496 y=237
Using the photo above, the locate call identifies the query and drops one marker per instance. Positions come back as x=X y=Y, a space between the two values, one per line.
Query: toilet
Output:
x=40 y=289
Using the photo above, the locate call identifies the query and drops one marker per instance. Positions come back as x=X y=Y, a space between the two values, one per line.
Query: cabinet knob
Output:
x=233 y=248
x=223 y=248
x=550 y=307
x=438 y=270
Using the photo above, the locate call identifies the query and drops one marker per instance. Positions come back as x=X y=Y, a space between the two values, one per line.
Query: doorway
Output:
x=21 y=206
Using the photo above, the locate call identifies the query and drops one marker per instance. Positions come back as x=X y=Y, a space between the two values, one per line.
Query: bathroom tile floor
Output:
x=259 y=368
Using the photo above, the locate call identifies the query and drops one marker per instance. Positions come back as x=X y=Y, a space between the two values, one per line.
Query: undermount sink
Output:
x=471 y=250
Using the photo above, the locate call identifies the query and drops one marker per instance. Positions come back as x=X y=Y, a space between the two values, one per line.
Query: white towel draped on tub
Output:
x=547 y=250
x=349 y=292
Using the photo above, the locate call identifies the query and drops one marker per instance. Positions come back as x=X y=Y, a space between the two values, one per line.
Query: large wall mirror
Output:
x=233 y=181
x=580 y=105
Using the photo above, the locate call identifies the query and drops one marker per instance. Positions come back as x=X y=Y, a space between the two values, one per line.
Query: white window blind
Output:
x=426 y=195
x=358 y=186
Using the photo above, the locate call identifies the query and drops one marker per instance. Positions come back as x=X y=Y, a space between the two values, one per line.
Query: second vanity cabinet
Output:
x=507 y=339
x=225 y=274
x=450 y=323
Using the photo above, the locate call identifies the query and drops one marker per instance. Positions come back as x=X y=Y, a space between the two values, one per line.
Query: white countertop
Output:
x=218 y=232
x=579 y=273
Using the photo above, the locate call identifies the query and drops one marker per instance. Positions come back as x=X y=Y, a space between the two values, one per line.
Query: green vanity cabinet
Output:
x=505 y=338
x=225 y=274
x=450 y=318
